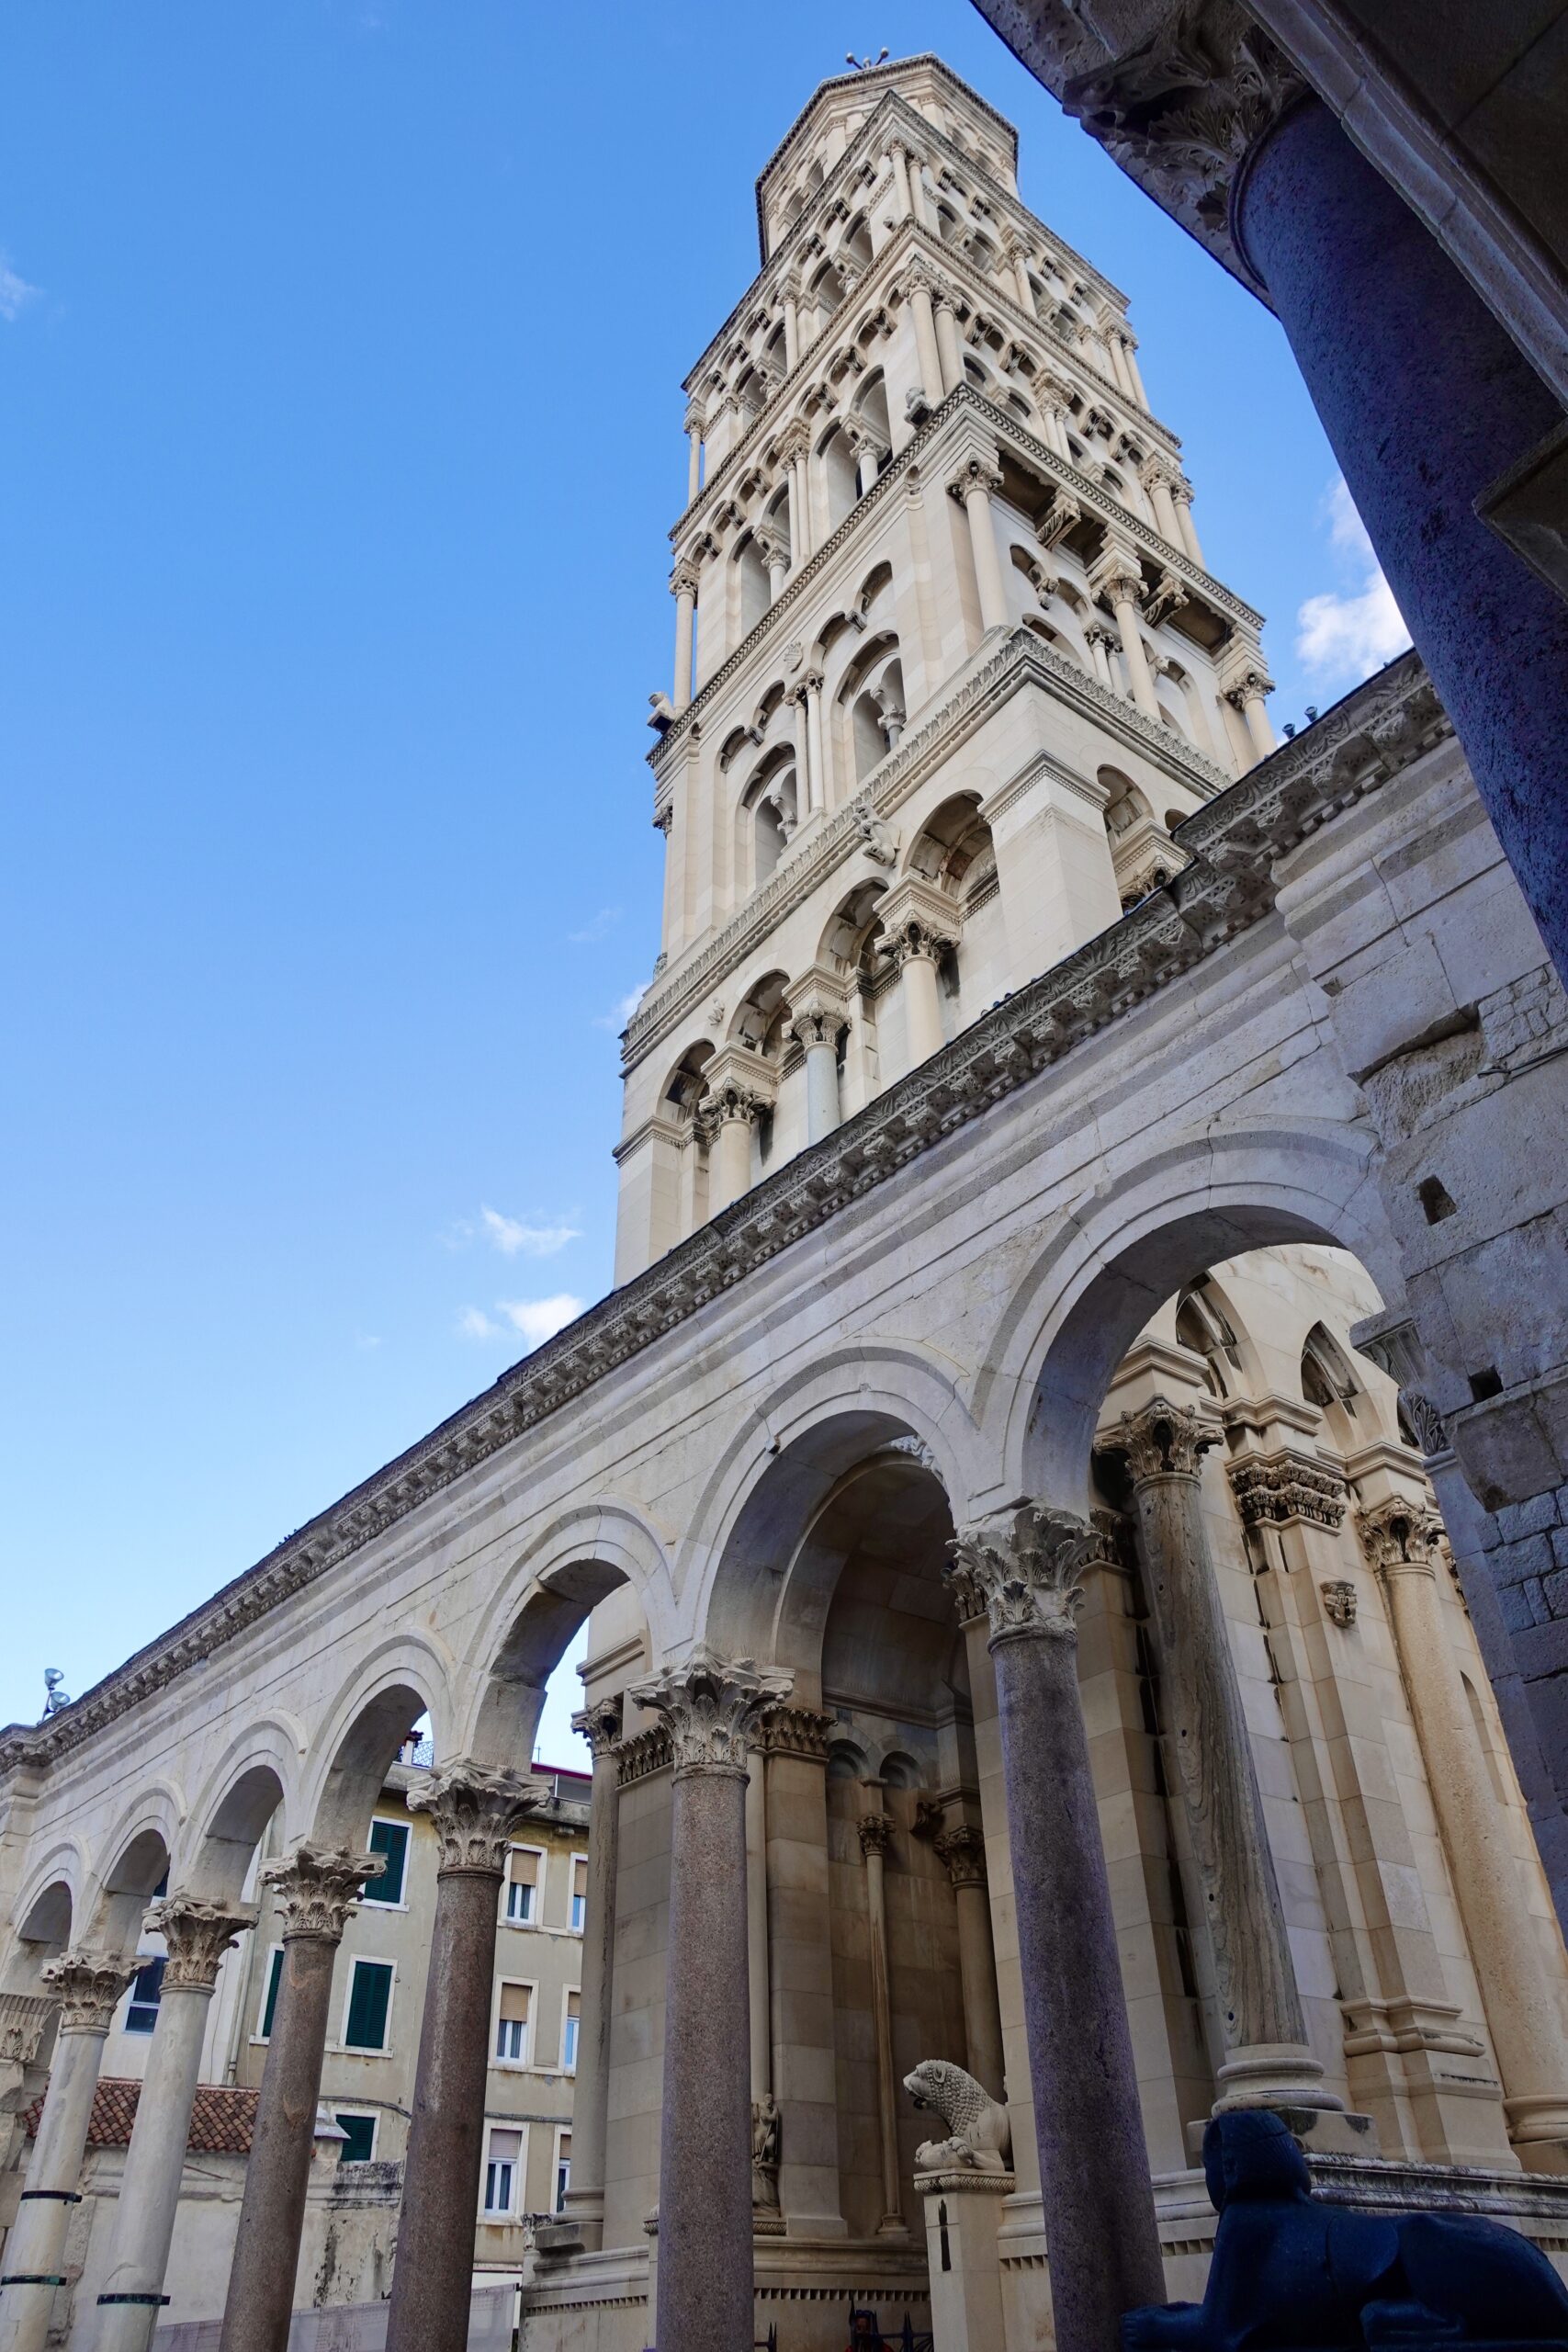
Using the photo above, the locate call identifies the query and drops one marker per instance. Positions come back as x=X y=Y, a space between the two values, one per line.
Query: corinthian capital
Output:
x=600 y=1725
x=1023 y=1569
x=963 y=1849
x=318 y=1886
x=197 y=1934
x=473 y=1810
x=709 y=1705
x=874 y=1831
x=1400 y=1536
x=89 y=1985
x=1164 y=1440
x=975 y=474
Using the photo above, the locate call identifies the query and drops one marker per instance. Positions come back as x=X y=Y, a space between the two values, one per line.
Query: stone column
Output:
x=791 y=305
x=706 y=2285
x=897 y=163
x=926 y=352
x=694 y=481
x=1246 y=696
x=600 y=1725
x=197 y=1933
x=1021 y=1568
x=815 y=744
x=974 y=487
x=1401 y=1536
x=963 y=1849
x=1117 y=578
x=684 y=586
x=948 y=350
x=775 y=555
x=1098 y=639
x=88 y=1985
x=1018 y=254
x=916 y=945
x=875 y=1833
x=1427 y=401
x=473 y=1810
x=757 y=1921
x=817 y=1020
x=1116 y=351
x=800 y=502
x=1268 y=2061
x=729 y=1126
x=1181 y=498
x=1157 y=479
x=318 y=1886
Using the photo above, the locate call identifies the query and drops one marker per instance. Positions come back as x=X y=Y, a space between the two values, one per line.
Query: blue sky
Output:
x=341 y=344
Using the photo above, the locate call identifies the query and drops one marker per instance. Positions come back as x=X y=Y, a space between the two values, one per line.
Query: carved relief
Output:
x=1286 y=1487
x=1339 y=1601
x=600 y=1725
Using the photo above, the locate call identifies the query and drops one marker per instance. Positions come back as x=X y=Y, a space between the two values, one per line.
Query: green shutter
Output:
x=274 y=1979
x=361 y=2130
x=390 y=1838
x=368 y=2003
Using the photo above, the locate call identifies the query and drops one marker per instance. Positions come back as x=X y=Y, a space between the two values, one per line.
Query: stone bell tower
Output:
x=949 y=666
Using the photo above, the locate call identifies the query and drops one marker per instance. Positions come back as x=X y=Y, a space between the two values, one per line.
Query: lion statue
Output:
x=979 y=2138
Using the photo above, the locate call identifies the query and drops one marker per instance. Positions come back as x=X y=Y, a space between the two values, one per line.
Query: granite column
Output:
x=600 y=1725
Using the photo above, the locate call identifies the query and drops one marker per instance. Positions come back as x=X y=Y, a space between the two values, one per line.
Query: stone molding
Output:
x=197 y=1933
x=318 y=1887
x=600 y=1725
x=1234 y=844
x=645 y=1753
x=88 y=1985
x=1400 y=1536
x=796 y=1731
x=963 y=1849
x=1164 y=1441
x=710 y=1705
x=1285 y=1487
x=23 y=2018
x=874 y=1831
x=1023 y=1570
x=473 y=1809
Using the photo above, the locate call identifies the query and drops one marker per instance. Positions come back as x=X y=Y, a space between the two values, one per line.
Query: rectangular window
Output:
x=269 y=1996
x=570 y=2033
x=359 y=2148
x=512 y=2024
x=390 y=1840
x=563 y=2168
x=369 y=2002
x=579 y=1892
x=146 y=1992
x=525 y=1867
x=503 y=2171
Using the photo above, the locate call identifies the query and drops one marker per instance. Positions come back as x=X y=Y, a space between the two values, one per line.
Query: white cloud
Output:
x=1345 y=633
x=511 y=1235
x=621 y=1012
x=15 y=291
x=539 y=1319
x=475 y=1324
x=368 y=1340
x=604 y=921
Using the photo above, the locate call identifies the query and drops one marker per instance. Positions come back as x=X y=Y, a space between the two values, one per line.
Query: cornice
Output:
x=1020 y=657
x=1355 y=749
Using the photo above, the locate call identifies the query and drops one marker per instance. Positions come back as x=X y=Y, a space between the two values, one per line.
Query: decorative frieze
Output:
x=796 y=1731
x=88 y=1985
x=710 y=1705
x=197 y=1933
x=318 y=1887
x=1023 y=1570
x=644 y=1754
x=474 y=1810
x=1279 y=1487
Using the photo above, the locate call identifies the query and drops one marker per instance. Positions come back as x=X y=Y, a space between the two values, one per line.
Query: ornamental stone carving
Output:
x=600 y=1725
x=1401 y=1536
x=1339 y=1601
x=975 y=474
x=963 y=1849
x=796 y=1731
x=197 y=1933
x=1117 y=576
x=1252 y=686
x=765 y=2121
x=23 y=2017
x=1167 y=596
x=89 y=1985
x=1023 y=1570
x=874 y=1831
x=1284 y=1486
x=710 y=1706
x=474 y=1810
x=979 y=2135
x=1164 y=1440
x=317 y=1887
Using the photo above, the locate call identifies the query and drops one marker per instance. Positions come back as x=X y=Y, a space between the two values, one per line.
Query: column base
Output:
x=1268 y=2074
x=1538 y=2132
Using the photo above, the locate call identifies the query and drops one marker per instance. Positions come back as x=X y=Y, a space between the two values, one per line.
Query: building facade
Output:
x=1038 y=1652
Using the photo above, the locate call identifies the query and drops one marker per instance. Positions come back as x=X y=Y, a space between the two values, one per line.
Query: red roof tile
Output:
x=221 y=2119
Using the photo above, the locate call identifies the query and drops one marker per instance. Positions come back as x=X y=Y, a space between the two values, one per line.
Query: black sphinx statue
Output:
x=1289 y=2271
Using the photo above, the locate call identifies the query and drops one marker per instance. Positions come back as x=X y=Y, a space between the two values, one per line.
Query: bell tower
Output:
x=949 y=665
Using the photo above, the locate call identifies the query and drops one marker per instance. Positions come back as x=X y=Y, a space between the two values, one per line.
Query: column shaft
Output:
x=801 y=478
x=822 y=1087
x=590 y=2099
x=1427 y=401
x=987 y=563
x=1187 y=528
x=260 y=2300
x=947 y=345
x=694 y=462
x=1138 y=676
x=36 y=2241
x=1255 y=711
x=875 y=1837
x=922 y=1009
x=792 y=354
x=733 y=1161
x=1164 y=510
x=816 y=744
x=926 y=349
x=757 y=1922
x=154 y=2166
x=685 y=608
x=901 y=183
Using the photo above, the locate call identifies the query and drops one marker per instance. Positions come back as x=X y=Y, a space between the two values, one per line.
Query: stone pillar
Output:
x=473 y=1811
x=88 y=1985
x=318 y=1886
x=817 y=1033
x=1099 y=641
x=897 y=163
x=1246 y=696
x=947 y=344
x=1022 y=1568
x=693 y=479
x=1116 y=351
x=776 y=557
x=974 y=487
x=791 y=304
x=1117 y=578
x=926 y=352
x=732 y=1122
x=684 y=587
x=1157 y=479
x=875 y=1832
x=962 y=2209
x=801 y=539
x=1427 y=401
x=963 y=1849
x=1523 y=2004
x=917 y=928
x=705 y=2284
x=1268 y=2061
x=816 y=745
x=601 y=1727
x=1181 y=498
x=1018 y=254
x=197 y=1933
x=757 y=1922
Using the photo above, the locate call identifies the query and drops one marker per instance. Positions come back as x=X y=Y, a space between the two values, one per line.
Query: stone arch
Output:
x=405 y=1676
x=257 y=1778
x=134 y=1859
x=759 y=1016
x=685 y=1085
x=44 y=1916
x=768 y=813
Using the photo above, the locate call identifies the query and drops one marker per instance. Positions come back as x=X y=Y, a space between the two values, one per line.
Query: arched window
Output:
x=769 y=812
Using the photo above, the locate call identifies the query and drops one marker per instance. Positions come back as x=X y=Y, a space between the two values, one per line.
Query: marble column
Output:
x=916 y=950
x=474 y=1810
x=1098 y=640
x=728 y=1126
x=317 y=1886
x=1268 y=2060
x=1428 y=401
x=88 y=1985
x=1019 y=256
x=600 y=1725
x=694 y=462
x=197 y=1933
x=705 y=2267
x=1021 y=1568
x=898 y=165
x=790 y=305
x=775 y=555
x=816 y=742
x=684 y=589
x=975 y=486
x=801 y=539
x=816 y=1029
x=875 y=1829
x=1246 y=696
x=1402 y=1538
x=928 y=355
x=1181 y=498
x=1155 y=478
x=963 y=1849
x=947 y=343
x=1118 y=580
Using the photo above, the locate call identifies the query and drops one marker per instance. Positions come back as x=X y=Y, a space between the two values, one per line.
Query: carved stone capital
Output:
x=1158 y=469
x=318 y=1886
x=1278 y=1487
x=694 y=419
x=88 y=1985
x=197 y=1933
x=1118 y=576
x=963 y=1849
x=1401 y=1536
x=683 y=580
x=918 y=919
x=709 y=1706
x=600 y=1725
x=874 y=1831
x=473 y=1810
x=975 y=474
x=1164 y=1440
x=1023 y=1569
